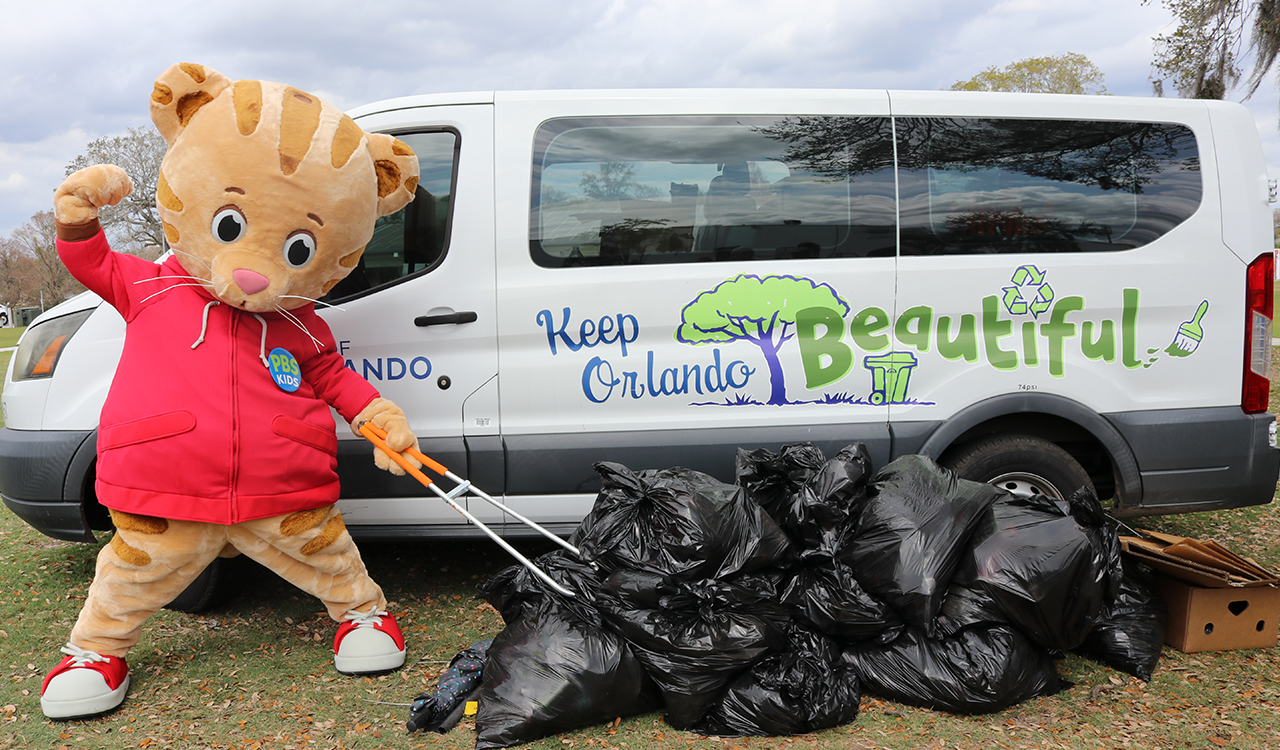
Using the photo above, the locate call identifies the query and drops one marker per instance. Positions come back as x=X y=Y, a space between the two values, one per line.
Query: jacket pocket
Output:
x=307 y=434
x=146 y=429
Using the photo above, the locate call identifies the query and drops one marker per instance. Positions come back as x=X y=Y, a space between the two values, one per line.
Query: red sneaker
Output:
x=368 y=642
x=84 y=684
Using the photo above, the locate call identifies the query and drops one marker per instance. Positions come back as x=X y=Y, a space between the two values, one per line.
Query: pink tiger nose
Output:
x=251 y=282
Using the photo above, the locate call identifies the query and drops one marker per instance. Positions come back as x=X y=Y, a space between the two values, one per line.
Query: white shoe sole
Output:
x=85 y=707
x=368 y=664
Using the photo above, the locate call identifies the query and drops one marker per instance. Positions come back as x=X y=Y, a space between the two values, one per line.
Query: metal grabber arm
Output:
x=378 y=437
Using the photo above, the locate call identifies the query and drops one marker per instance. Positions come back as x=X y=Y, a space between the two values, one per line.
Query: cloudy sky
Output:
x=72 y=71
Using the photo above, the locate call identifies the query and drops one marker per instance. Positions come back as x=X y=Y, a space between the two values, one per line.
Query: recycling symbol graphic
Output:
x=1030 y=292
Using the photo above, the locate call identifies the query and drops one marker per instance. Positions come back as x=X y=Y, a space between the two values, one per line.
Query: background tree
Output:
x=37 y=240
x=1069 y=73
x=134 y=225
x=1204 y=57
x=17 y=276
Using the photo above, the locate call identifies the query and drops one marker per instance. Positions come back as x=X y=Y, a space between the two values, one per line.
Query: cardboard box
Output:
x=1205 y=563
x=1217 y=599
x=1219 y=619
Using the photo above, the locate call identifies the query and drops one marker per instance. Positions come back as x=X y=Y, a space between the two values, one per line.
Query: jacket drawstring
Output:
x=262 y=345
x=204 y=323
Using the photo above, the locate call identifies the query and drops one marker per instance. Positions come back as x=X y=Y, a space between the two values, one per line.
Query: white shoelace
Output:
x=367 y=619
x=81 y=657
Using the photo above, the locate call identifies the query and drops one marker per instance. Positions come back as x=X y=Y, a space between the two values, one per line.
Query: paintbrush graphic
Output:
x=1189 y=334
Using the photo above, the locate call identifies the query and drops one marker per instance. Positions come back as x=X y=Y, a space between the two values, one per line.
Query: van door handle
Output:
x=450 y=319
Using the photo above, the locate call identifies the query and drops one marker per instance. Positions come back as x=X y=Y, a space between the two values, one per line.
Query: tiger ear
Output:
x=180 y=92
x=397 y=168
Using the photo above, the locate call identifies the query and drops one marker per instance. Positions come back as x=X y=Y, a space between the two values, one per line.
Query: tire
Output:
x=1022 y=464
x=217 y=585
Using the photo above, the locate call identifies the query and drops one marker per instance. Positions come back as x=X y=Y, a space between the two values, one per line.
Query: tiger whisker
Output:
x=312 y=299
x=174 y=276
x=201 y=262
x=175 y=286
x=294 y=320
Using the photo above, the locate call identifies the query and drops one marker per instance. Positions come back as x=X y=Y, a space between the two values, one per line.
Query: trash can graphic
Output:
x=890 y=376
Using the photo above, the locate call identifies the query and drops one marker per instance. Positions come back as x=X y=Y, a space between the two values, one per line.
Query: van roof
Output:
x=817 y=101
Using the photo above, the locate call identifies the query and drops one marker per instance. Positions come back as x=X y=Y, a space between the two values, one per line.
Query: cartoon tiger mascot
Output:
x=216 y=437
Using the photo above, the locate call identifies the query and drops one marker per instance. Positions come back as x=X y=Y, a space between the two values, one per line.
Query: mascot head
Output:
x=267 y=193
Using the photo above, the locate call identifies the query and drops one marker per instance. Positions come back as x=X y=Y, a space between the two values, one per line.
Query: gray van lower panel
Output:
x=40 y=479
x=1200 y=459
x=562 y=464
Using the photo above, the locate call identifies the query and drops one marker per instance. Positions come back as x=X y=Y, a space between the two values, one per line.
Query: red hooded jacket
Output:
x=194 y=426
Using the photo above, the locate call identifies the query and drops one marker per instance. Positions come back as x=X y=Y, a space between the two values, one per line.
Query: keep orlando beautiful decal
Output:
x=770 y=311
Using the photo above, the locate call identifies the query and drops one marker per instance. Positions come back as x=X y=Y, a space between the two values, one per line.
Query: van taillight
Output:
x=1257 y=337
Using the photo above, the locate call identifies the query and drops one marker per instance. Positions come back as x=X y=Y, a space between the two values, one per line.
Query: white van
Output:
x=1041 y=291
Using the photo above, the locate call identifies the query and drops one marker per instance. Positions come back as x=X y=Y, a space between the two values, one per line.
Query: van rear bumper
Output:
x=42 y=479
x=1199 y=459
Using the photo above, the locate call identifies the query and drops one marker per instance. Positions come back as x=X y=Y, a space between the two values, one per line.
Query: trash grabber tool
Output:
x=377 y=436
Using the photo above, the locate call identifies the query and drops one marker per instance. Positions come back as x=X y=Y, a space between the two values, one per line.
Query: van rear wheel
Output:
x=1022 y=464
x=218 y=584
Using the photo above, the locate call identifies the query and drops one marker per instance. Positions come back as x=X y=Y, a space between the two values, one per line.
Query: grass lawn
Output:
x=256 y=674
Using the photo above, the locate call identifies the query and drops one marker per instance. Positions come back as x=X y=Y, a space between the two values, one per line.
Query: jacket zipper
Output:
x=234 y=471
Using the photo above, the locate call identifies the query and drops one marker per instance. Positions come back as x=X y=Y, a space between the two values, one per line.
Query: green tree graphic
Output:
x=759 y=310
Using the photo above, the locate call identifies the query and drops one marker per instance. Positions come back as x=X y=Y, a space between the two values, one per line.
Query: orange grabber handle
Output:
x=378 y=437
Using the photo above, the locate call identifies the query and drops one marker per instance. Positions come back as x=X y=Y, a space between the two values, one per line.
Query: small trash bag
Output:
x=1037 y=563
x=693 y=637
x=554 y=669
x=679 y=522
x=803 y=689
x=979 y=670
x=440 y=709
x=1129 y=635
x=912 y=531
x=825 y=594
x=809 y=496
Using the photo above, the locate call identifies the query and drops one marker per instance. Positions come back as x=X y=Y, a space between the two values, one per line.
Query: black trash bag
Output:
x=557 y=668
x=440 y=709
x=1130 y=634
x=678 y=522
x=825 y=594
x=1047 y=566
x=804 y=689
x=809 y=496
x=979 y=670
x=515 y=587
x=912 y=531
x=693 y=637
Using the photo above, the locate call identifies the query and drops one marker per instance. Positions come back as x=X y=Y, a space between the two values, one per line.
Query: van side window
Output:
x=414 y=239
x=972 y=186
x=644 y=190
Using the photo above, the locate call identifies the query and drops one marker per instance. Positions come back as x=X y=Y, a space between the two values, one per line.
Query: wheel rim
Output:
x=1025 y=483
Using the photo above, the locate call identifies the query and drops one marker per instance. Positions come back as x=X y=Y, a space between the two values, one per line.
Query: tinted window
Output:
x=1006 y=186
x=413 y=239
x=613 y=191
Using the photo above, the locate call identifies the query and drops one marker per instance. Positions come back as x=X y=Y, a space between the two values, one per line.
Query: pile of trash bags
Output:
x=767 y=607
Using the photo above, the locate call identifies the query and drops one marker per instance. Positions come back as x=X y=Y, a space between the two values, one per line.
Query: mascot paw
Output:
x=78 y=198
x=385 y=415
